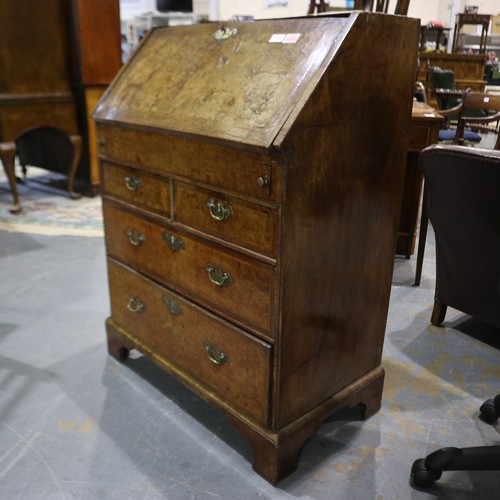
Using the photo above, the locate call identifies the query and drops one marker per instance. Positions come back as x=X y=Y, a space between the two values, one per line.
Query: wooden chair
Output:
x=488 y=106
x=367 y=5
x=382 y=6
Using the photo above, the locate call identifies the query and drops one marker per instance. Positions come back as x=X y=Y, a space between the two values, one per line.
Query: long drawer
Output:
x=218 y=166
x=220 y=357
x=238 y=286
x=253 y=226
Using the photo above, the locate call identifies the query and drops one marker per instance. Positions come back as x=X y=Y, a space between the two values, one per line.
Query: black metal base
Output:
x=425 y=471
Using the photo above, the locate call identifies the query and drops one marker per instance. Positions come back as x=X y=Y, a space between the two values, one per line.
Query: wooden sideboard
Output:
x=58 y=56
x=251 y=194
x=468 y=70
x=424 y=130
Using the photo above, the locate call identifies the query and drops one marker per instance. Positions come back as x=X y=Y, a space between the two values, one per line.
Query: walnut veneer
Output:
x=252 y=182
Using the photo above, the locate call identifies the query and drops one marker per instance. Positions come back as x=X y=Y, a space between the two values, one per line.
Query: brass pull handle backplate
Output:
x=135 y=237
x=218 y=211
x=174 y=308
x=133 y=182
x=216 y=356
x=135 y=305
x=174 y=243
x=217 y=276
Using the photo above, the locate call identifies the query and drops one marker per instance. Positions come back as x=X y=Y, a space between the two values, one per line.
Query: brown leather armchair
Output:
x=478 y=112
x=463 y=186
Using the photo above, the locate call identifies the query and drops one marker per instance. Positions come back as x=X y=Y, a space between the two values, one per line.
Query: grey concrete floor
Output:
x=76 y=424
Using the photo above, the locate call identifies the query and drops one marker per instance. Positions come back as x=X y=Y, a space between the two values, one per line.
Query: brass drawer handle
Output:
x=135 y=305
x=218 y=211
x=215 y=355
x=174 y=308
x=135 y=237
x=133 y=182
x=174 y=242
x=217 y=276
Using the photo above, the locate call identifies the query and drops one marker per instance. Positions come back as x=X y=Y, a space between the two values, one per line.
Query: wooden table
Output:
x=424 y=129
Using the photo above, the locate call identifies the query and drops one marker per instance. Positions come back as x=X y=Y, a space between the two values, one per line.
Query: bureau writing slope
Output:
x=252 y=180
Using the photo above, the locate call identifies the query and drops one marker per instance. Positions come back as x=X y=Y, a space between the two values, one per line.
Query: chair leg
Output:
x=425 y=471
x=7 y=156
x=438 y=313
x=490 y=410
x=424 y=223
x=76 y=141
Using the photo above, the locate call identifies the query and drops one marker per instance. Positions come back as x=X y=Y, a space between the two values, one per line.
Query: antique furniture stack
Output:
x=58 y=57
x=252 y=183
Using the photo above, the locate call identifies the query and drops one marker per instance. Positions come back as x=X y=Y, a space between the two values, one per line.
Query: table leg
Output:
x=424 y=223
x=7 y=156
x=76 y=141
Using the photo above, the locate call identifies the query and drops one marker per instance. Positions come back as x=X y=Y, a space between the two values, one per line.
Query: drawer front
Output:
x=246 y=224
x=139 y=188
x=218 y=356
x=419 y=137
x=238 y=286
x=222 y=167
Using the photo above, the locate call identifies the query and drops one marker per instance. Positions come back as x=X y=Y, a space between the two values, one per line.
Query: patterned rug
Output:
x=47 y=208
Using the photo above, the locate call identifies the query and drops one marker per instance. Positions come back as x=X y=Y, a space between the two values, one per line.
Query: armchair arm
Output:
x=444 y=95
x=451 y=111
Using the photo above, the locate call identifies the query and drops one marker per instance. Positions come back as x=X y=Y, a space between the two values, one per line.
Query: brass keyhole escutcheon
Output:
x=174 y=308
x=174 y=242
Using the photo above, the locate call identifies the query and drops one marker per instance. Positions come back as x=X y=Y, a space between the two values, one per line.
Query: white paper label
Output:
x=277 y=38
x=291 y=38
x=284 y=38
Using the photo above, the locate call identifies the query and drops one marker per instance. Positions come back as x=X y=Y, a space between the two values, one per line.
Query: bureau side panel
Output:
x=346 y=154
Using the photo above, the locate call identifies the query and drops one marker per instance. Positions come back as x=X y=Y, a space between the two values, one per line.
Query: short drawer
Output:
x=139 y=188
x=247 y=224
x=226 y=281
x=214 y=354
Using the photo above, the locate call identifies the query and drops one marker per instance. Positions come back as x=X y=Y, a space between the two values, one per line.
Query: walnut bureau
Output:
x=252 y=179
